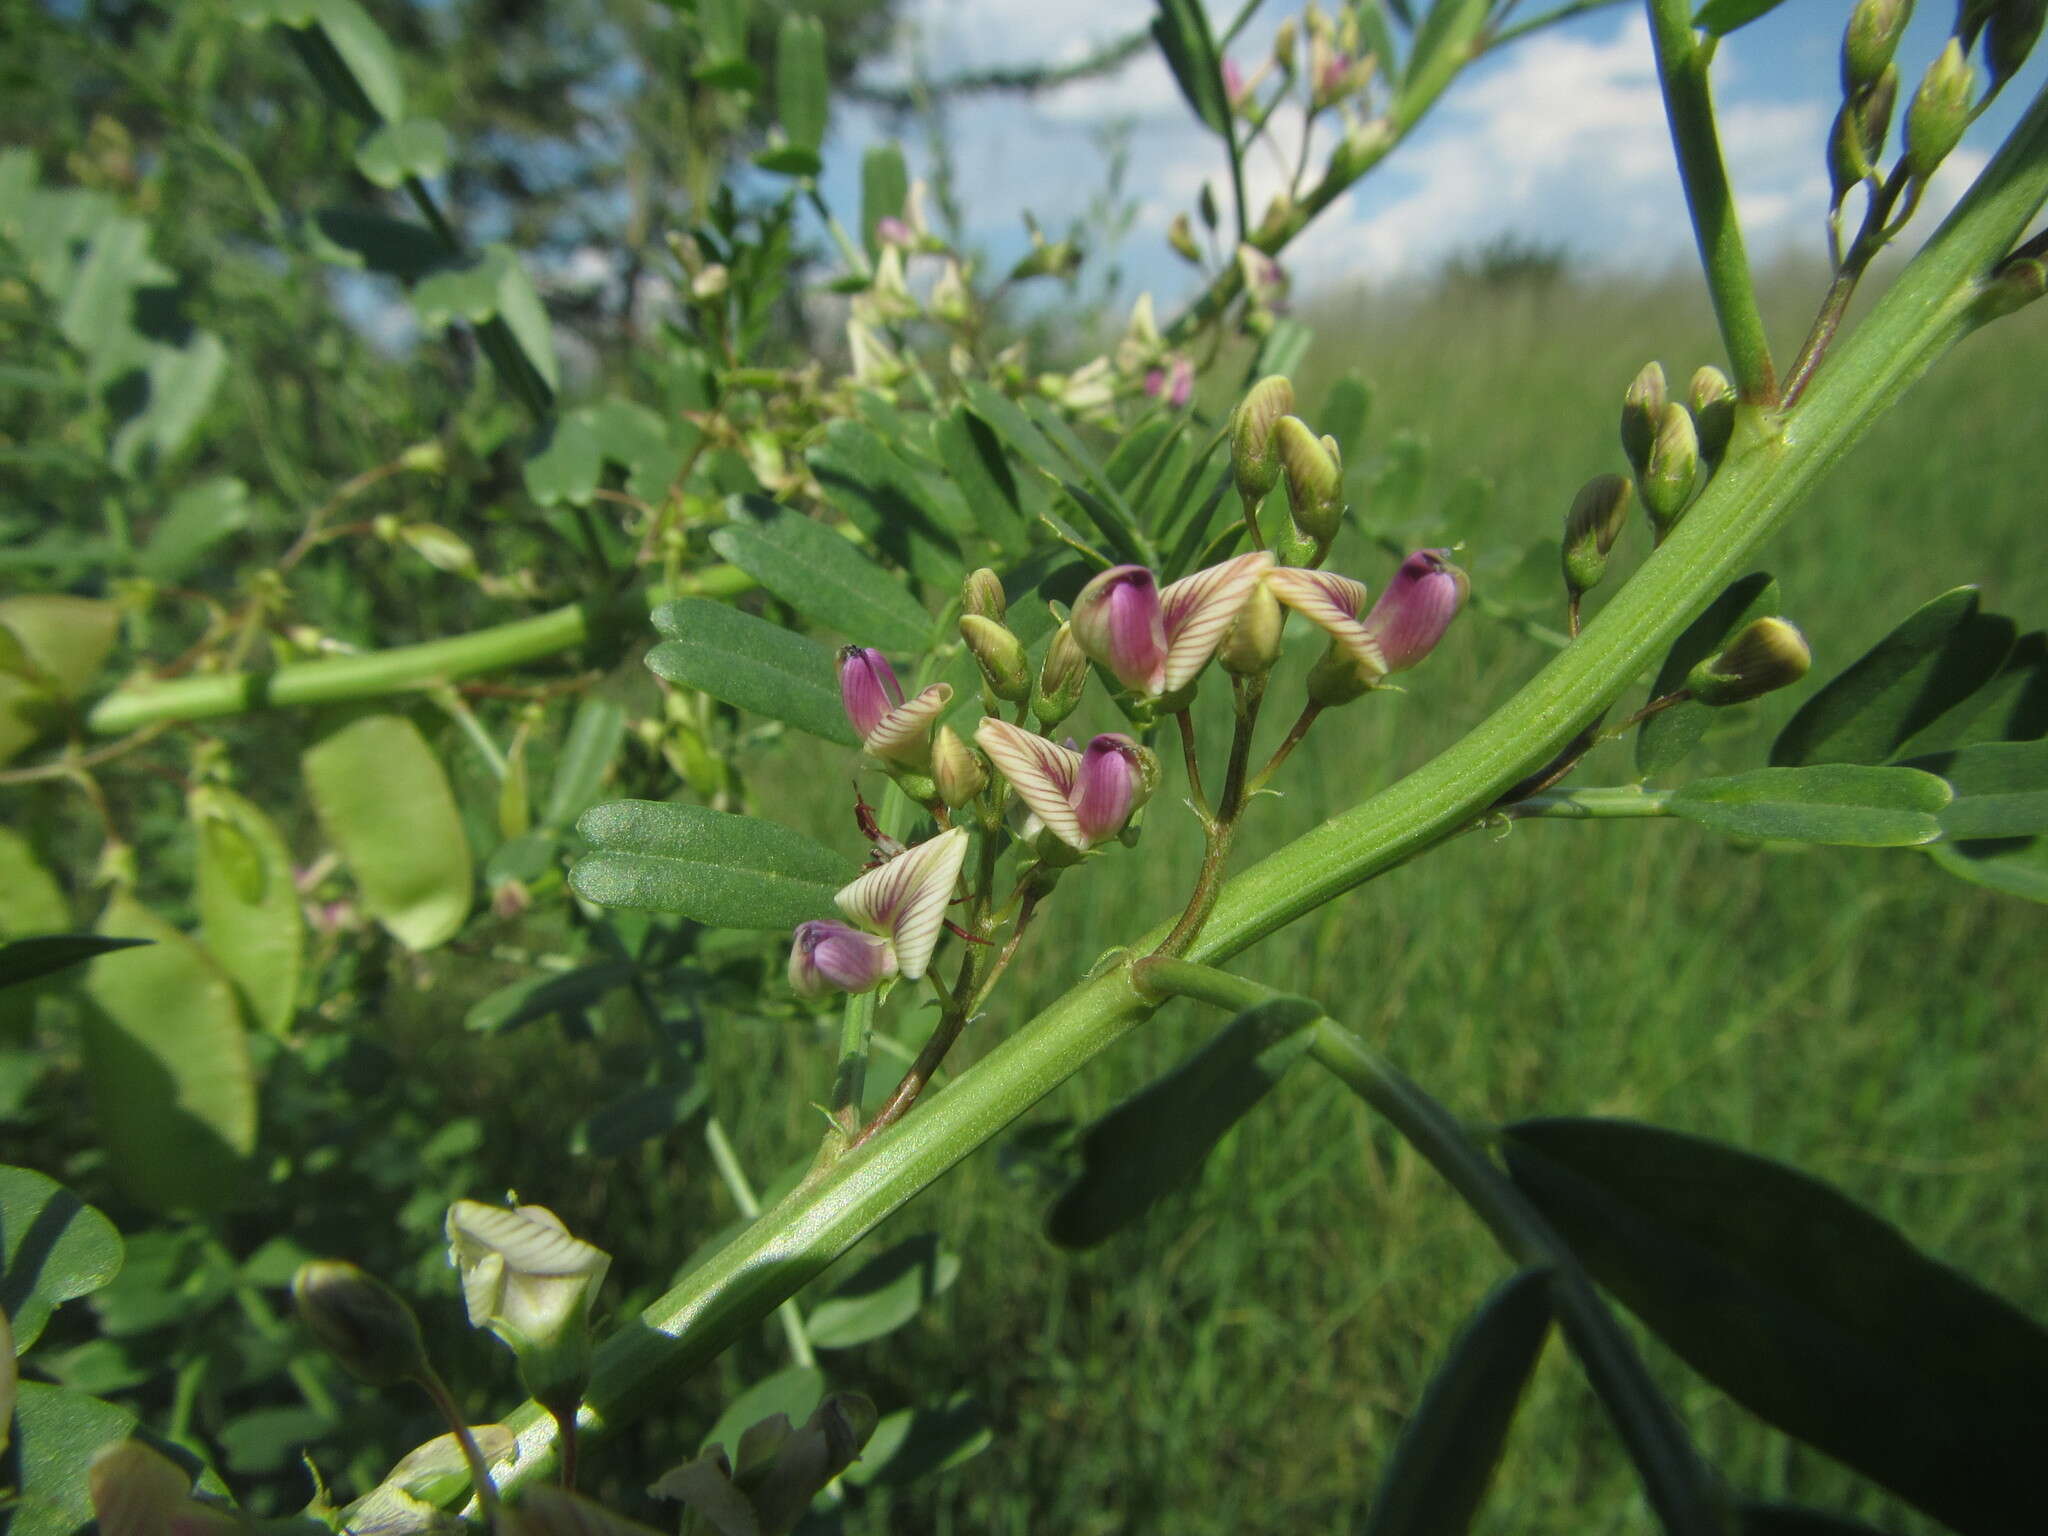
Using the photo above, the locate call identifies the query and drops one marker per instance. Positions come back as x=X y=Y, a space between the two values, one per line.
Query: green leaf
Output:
x=974 y=460
x=752 y=665
x=1943 y=653
x=638 y=1118
x=820 y=574
x=53 y=1247
x=1443 y=46
x=26 y=960
x=884 y=188
x=366 y=53
x=376 y=242
x=1835 y=803
x=1182 y=31
x=565 y=465
x=886 y=498
x=198 y=518
x=56 y=1433
x=728 y=871
x=795 y=1392
x=1284 y=349
x=595 y=732
x=789 y=160
x=31 y=900
x=1790 y=1520
x=547 y=995
x=1345 y=411
x=1720 y=17
x=1666 y=737
x=167 y=1066
x=883 y=1294
x=2001 y=789
x=397 y=152
x=248 y=904
x=65 y=639
x=1807 y=1309
x=179 y=384
x=492 y=285
x=916 y=1443
x=386 y=806
x=2013 y=706
x=1158 y=1138
x=800 y=89
x=1448 y=1450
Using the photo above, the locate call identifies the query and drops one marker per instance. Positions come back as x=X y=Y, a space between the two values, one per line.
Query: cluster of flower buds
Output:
x=1674 y=446
x=1870 y=91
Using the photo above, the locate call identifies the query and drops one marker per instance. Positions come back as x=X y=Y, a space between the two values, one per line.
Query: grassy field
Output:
x=1244 y=1360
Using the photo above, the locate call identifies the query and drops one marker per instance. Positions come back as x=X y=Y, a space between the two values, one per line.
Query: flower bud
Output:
x=867 y=688
x=1939 y=113
x=958 y=773
x=1667 y=480
x=2015 y=28
x=1768 y=655
x=528 y=1281
x=827 y=956
x=1315 y=481
x=2013 y=286
x=1284 y=41
x=360 y=1321
x=1180 y=235
x=982 y=593
x=1872 y=37
x=1000 y=655
x=1254 y=458
x=1253 y=645
x=1117 y=620
x=1112 y=783
x=1595 y=521
x=1712 y=399
x=1060 y=679
x=950 y=300
x=1642 y=413
x=1417 y=607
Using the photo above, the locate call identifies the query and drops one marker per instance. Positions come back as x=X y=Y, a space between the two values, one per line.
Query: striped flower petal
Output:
x=1333 y=604
x=904 y=734
x=1043 y=774
x=1198 y=611
x=905 y=900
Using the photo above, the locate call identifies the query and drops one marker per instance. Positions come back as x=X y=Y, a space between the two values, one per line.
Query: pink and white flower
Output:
x=889 y=727
x=1157 y=642
x=1083 y=798
x=896 y=913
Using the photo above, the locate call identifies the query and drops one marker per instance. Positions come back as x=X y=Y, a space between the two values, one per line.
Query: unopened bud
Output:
x=1642 y=413
x=1768 y=655
x=1060 y=679
x=1254 y=457
x=1598 y=513
x=427 y=458
x=1252 y=646
x=982 y=593
x=1000 y=655
x=1315 y=481
x=1180 y=234
x=1712 y=399
x=1873 y=34
x=1667 y=480
x=1284 y=40
x=360 y=1321
x=2015 y=285
x=2015 y=28
x=958 y=773
x=1939 y=113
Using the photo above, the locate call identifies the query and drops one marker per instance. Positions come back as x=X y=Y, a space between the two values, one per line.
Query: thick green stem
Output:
x=1932 y=305
x=1689 y=104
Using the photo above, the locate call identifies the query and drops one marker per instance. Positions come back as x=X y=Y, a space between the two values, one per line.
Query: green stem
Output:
x=727 y=1161
x=1623 y=802
x=1932 y=305
x=1689 y=104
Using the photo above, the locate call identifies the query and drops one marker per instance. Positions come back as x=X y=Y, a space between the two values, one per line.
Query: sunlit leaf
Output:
x=822 y=575
x=198 y=518
x=752 y=665
x=395 y=153
x=793 y=1392
x=883 y=1294
x=916 y=1443
x=595 y=733
x=1182 y=31
x=53 y=1247
x=800 y=88
x=974 y=458
x=547 y=995
x=888 y=500
x=1829 y=803
x=45 y=954
x=56 y=1433
x=1720 y=17
x=730 y=871
x=884 y=187
x=248 y=906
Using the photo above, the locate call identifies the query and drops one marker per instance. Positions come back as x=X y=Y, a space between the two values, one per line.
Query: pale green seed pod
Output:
x=1768 y=655
x=1252 y=646
x=360 y=1321
x=1939 y=113
x=1642 y=413
x=982 y=593
x=1061 y=678
x=1667 y=480
x=1872 y=37
x=1000 y=655
x=1598 y=514
x=1315 y=480
x=1712 y=399
x=1254 y=459
x=958 y=772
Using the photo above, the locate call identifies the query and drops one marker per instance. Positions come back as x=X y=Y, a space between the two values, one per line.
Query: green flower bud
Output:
x=1873 y=34
x=1768 y=655
x=1254 y=458
x=1000 y=655
x=1180 y=234
x=1712 y=399
x=958 y=773
x=1284 y=42
x=1315 y=480
x=1939 y=113
x=1642 y=412
x=1667 y=480
x=1337 y=678
x=1252 y=646
x=2015 y=285
x=2015 y=28
x=1856 y=142
x=360 y=1321
x=1595 y=521
x=982 y=593
x=1060 y=679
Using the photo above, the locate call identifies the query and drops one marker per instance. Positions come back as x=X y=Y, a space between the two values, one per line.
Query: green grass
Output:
x=1244 y=1360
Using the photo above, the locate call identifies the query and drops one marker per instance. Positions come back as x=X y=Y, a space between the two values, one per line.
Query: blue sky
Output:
x=1560 y=138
